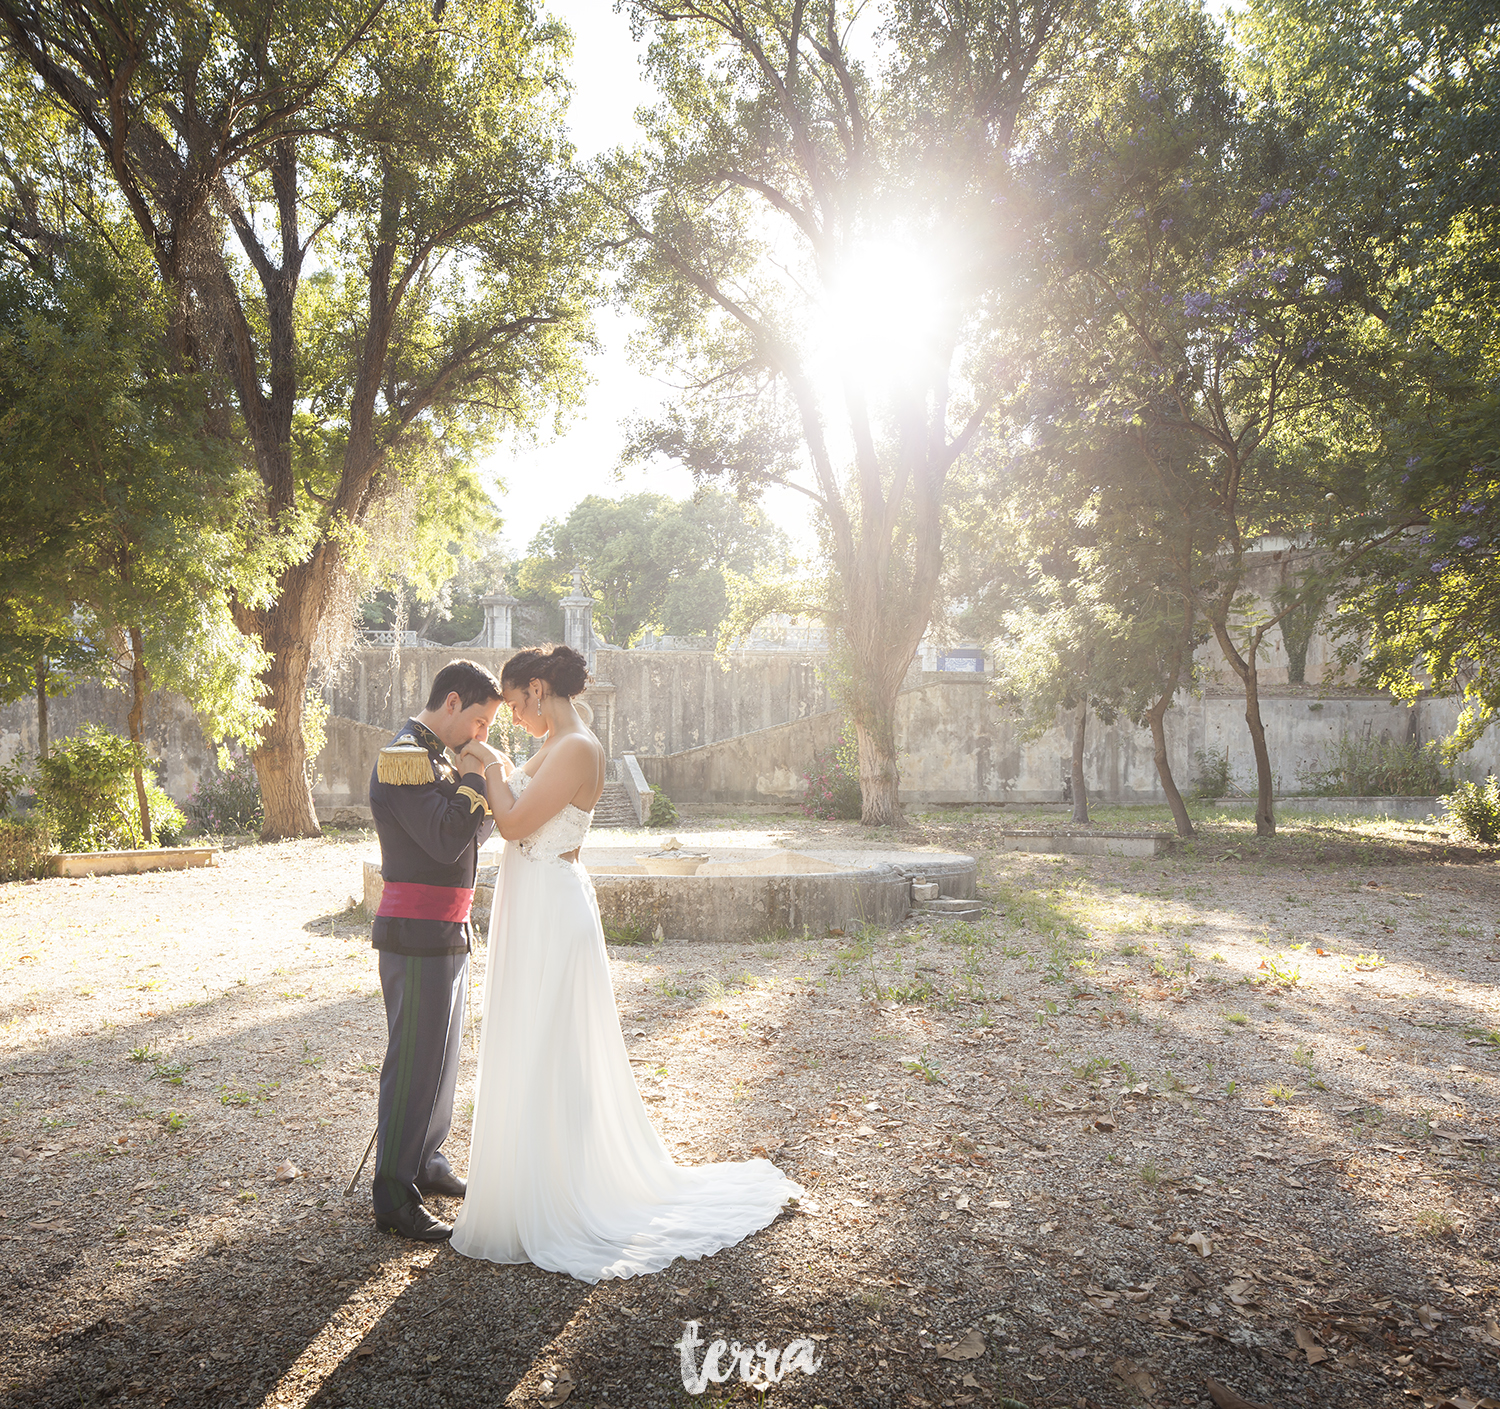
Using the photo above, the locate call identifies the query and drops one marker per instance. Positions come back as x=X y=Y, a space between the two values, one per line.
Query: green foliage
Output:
x=395 y=271
x=228 y=800
x=25 y=846
x=315 y=711
x=1364 y=766
x=1402 y=101
x=658 y=563
x=87 y=789
x=1473 y=809
x=833 y=780
x=15 y=777
x=138 y=517
x=663 y=810
x=1215 y=778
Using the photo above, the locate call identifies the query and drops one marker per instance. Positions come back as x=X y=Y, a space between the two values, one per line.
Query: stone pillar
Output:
x=498 y=606
x=578 y=619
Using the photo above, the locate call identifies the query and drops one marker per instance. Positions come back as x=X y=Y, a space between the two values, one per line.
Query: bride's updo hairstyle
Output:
x=565 y=671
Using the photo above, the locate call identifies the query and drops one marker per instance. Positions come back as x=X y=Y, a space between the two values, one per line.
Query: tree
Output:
x=132 y=542
x=1202 y=295
x=660 y=563
x=1406 y=101
x=1087 y=572
x=818 y=243
x=415 y=168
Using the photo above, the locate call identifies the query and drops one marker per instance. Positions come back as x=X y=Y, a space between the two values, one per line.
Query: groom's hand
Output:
x=476 y=756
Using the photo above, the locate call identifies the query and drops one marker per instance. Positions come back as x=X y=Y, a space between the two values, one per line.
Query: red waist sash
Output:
x=409 y=901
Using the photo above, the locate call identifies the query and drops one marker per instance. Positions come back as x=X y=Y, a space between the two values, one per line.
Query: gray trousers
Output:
x=424 y=1008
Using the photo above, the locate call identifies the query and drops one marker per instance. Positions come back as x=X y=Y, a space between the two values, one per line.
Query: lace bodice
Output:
x=564 y=832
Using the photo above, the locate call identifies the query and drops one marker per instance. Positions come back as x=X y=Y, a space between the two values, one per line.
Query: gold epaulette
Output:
x=404 y=763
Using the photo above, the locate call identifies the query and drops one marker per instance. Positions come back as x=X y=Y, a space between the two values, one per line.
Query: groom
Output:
x=431 y=820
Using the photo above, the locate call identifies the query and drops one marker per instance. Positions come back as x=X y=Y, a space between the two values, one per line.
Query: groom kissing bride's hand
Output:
x=476 y=756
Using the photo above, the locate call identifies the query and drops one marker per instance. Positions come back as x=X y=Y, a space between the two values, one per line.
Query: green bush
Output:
x=1363 y=766
x=228 y=800
x=663 y=810
x=833 y=780
x=87 y=789
x=1214 y=778
x=24 y=848
x=1473 y=810
x=14 y=778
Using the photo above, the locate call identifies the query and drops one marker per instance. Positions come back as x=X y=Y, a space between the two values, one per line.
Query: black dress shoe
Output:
x=415 y=1221
x=448 y=1184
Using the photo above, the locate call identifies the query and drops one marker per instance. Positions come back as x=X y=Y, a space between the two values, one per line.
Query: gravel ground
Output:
x=1166 y=1133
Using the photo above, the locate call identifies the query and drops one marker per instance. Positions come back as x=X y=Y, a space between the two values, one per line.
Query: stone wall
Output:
x=172 y=733
x=653 y=702
x=957 y=746
x=672 y=708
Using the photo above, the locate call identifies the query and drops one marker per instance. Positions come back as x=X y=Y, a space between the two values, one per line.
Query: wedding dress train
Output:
x=565 y=1168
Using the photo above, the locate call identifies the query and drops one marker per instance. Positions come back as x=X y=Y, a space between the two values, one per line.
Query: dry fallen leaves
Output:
x=1307 y=1342
x=1134 y=1377
x=1225 y=1398
x=555 y=1392
x=1200 y=1242
x=969 y=1348
x=286 y=1171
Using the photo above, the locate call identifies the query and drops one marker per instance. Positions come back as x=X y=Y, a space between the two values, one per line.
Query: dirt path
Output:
x=1231 y=1115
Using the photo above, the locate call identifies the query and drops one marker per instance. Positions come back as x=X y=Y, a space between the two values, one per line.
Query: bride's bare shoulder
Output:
x=578 y=747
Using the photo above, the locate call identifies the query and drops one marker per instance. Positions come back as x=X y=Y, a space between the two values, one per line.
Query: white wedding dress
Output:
x=565 y=1168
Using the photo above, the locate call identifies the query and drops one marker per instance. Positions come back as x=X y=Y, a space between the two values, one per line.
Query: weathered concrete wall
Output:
x=957 y=746
x=172 y=733
x=767 y=766
x=652 y=702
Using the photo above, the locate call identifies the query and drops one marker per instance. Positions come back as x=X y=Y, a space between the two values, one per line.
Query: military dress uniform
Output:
x=431 y=823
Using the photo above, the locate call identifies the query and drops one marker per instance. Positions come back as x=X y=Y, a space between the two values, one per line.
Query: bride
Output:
x=565 y=1168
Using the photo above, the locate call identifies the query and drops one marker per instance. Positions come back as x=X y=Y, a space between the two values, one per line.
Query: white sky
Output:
x=545 y=481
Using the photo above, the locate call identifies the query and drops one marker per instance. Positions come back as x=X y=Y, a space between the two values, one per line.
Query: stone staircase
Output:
x=613 y=808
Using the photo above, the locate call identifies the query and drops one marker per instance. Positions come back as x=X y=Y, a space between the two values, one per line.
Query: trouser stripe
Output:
x=410 y=1003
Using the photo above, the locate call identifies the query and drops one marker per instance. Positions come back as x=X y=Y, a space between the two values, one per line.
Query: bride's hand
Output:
x=476 y=756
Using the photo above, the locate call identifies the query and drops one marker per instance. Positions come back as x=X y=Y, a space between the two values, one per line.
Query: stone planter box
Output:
x=1090 y=843
x=130 y=863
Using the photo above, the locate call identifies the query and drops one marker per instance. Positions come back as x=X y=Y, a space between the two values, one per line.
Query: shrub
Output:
x=1214 y=778
x=1363 y=766
x=663 y=810
x=833 y=780
x=87 y=789
x=1473 y=810
x=228 y=800
x=13 y=779
x=24 y=848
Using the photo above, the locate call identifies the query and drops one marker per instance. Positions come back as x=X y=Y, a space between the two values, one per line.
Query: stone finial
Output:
x=498 y=606
x=578 y=619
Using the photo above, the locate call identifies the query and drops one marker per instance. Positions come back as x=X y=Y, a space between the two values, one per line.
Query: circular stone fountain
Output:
x=739 y=886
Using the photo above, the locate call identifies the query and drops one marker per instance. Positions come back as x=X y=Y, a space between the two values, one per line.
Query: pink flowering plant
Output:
x=833 y=781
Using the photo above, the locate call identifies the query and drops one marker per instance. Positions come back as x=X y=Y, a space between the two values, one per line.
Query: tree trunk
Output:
x=1080 y=791
x=138 y=727
x=41 y=706
x=1156 y=718
x=879 y=777
x=1245 y=668
x=287 y=631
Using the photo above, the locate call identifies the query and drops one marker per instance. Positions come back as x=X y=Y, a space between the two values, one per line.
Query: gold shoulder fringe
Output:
x=404 y=764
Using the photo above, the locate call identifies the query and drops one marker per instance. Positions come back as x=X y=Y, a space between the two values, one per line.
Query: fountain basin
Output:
x=747 y=893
